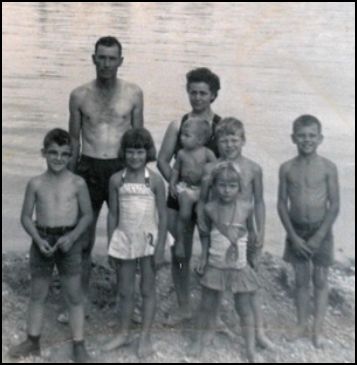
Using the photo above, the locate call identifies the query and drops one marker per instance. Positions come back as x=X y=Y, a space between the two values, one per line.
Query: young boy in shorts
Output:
x=308 y=206
x=63 y=213
x=230 y=137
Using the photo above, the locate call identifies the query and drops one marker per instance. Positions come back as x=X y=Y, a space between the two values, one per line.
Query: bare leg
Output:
x=302 y=279
x=74 y=297
x=243 y=305
x=261 y=338
x=149 y=305
x=320 y=302
x=206 y=318
x=39 y=292
x=184 y=219
x=127 y=291
x=181 y=268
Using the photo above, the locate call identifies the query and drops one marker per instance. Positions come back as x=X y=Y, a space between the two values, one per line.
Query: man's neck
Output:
x=307 y=158
x=106 y=84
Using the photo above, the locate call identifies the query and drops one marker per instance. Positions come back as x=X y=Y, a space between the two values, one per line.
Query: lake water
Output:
x=275 y=60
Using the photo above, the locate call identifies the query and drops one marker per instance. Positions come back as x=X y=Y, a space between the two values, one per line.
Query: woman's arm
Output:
x=167 y=150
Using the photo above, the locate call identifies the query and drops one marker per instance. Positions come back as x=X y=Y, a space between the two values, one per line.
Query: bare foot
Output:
x=318 y=342
x=145 y=347
x=118 y=341
x=180 y=316
x=297 y=333
x=195 y=349
x=251 y=356
x=264 y=342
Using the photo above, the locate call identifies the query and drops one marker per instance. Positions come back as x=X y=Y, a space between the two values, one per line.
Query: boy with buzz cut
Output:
x=63 y=212
x=308 y=205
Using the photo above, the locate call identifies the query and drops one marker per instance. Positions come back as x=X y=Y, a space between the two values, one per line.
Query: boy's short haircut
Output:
x=202 y=128
x=231 y=170
x=138 y=138
x=306 y=121
x=204 y=74
x=58 y=136
x=229 y=126
x=108 y=41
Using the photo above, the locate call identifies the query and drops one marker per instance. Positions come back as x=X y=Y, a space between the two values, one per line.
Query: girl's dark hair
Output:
x=204 y=74
x=57 y=135
x=138 y=138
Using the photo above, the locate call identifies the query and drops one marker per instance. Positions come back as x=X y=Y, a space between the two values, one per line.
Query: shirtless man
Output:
x=308 y=206
x=100 y=112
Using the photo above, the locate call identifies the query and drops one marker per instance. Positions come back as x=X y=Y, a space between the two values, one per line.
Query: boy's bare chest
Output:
x=57 y=195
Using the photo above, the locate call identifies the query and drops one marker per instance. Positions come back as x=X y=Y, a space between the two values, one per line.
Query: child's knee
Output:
x=302 y=276
x=243 y=306
x=320 y=278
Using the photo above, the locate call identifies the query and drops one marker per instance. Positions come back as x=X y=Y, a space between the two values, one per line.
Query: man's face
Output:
x=307 y=139
x=107 y=60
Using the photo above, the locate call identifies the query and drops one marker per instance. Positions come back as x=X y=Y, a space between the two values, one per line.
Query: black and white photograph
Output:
x=178 y=182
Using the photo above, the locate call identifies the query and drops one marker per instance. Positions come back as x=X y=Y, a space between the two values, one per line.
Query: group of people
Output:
x=211 y=186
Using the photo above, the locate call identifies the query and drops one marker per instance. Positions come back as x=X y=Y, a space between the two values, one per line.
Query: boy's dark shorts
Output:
x=97 y=173
x=68 y=264
x=323 y=256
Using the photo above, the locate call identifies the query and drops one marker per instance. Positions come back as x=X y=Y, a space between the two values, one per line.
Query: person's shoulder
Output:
x=36 y=182
x=80 y=92
x=287 y=165
x=116 y=178
x=155 y=177
x=251 y=165
x=328 y=164
x=131 y=88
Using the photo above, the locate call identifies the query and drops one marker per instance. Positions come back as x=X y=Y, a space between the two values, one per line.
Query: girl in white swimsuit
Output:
x=137 y=228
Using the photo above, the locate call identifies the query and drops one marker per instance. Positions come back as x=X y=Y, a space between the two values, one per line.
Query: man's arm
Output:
x=298 y=243
x=333 y=196
x=137 y=115
x=75 y=125
x=113 y=213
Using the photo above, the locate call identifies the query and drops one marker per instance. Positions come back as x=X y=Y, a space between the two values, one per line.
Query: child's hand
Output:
x=300 y=247
x=159 y=259
x=173 y=190
x=45 y=248
x=314 y=243
x=65 y=243
x=201 y=266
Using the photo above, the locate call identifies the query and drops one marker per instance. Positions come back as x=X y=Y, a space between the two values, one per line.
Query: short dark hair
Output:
x=138 y=138
x=57 y=135
x=306 y=120
x=204 y=74
x=108 y=41
x=229 y=126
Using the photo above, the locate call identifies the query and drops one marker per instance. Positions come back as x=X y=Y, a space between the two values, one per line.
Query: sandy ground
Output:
x=170 y=342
